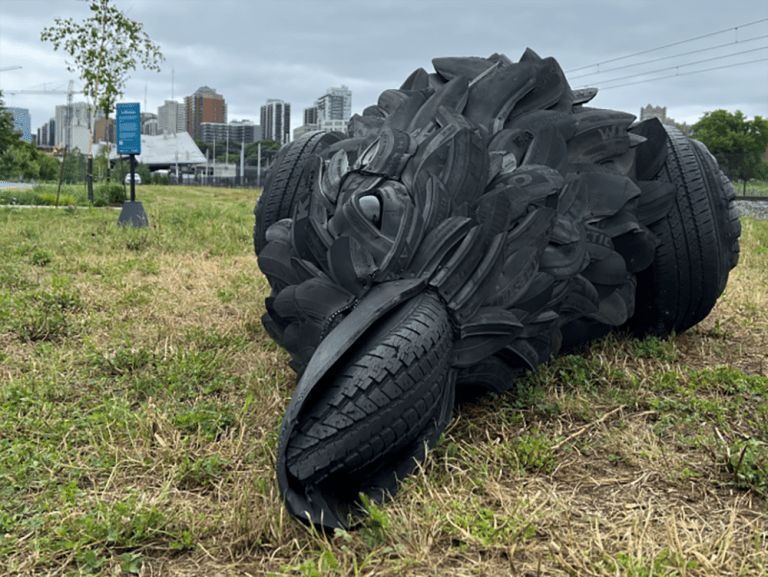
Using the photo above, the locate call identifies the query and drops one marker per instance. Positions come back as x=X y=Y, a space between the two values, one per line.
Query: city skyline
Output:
x=380 y=44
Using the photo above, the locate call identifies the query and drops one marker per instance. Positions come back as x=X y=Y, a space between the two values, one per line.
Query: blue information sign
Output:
x=128 y=128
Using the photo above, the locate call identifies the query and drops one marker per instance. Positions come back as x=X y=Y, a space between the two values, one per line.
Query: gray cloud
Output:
x=295 y=49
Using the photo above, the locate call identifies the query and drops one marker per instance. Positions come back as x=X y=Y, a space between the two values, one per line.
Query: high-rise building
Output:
x=276 y=121
x=105 y=130
x=205 y=105
x=21 y=122
x=73 y=126
x=148 y=123
x=310 y=116
x=171 y=118
x=46 y=134
x=236 y=131
x=334 y=108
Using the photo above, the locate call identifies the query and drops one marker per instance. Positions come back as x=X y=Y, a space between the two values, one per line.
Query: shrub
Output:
x=109 y=193
x=49 y=199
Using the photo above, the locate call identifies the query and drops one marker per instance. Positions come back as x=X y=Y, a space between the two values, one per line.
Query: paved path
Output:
x=14 y=185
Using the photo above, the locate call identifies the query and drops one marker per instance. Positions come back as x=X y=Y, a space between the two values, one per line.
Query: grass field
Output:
x=140 y=401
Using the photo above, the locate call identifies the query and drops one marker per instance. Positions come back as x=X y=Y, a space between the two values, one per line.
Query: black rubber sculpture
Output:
x=469 y=226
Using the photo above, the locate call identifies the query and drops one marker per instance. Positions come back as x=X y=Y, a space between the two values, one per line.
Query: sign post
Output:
x=129 y=142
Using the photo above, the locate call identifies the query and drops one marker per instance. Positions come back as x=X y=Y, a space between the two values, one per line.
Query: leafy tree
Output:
x=269 y=149
x=143 y=171
x=737 y=143
x=22 y=159
x=19 y=161
x=49 y=166
x=74 y=167
x=8 y=137
x=104 y=48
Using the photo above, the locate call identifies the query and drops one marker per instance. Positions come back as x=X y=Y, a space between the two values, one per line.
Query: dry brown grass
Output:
x=598 y=466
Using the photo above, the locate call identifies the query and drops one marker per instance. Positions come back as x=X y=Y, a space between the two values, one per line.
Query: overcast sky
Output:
x=293 y=50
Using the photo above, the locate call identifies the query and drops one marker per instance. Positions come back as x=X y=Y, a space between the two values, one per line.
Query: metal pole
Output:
x=133 y=178
x=242 y=162
x=258 y=164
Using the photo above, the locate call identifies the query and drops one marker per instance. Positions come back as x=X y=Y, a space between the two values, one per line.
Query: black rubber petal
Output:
x=456 y=272
x=549 y=87
x=494 y=93
x=656 y=200
x=418 y=80
x=400 y=118
x=620 y=223
x=599 y=244
x=515 y=277
x=652 y=153
x=491 y=375
x=466 y=66
x=452 y=96
x=275 y=262
x=387 y=156
x=565 y=260
x=548 y=148
x=513 y=141
x=583 y=95
x=362 y=126
x=601 y=134
x=391 y=99
x=351 y=265
x=611 y=270
x=638 y=248
x=533 y=301
x=565 y=122
x=375 y=111
x=616 y=309
x=541 y=183
x=316 y=300
x=468 y=299
x=608 y=194
x=566 y=231
x=437 y=244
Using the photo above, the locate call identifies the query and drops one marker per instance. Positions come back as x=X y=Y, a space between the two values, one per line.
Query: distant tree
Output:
x=49 y=166
x=120 y=169
x=8 y=137
x=269 y=149
x=737 y=143
x=143 y=171
x=104 y=48
x=74 y=167
x=19 y=162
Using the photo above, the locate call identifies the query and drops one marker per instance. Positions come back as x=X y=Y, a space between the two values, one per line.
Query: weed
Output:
x=207 y=419
x=653 y=347
x=201 y=472
x=40 y=257
x=532 y=453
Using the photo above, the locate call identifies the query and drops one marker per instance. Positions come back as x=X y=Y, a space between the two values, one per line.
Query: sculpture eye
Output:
x=370 y=205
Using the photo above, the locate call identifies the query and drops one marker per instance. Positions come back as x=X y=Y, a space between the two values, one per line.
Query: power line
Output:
x=684 y=65
x=685 y=73
x=667 y=46
x=669 y=57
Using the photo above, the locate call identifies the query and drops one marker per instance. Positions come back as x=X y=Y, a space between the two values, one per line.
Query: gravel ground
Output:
x=753 y=208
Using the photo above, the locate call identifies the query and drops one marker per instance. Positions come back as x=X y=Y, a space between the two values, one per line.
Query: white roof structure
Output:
x=165 y=149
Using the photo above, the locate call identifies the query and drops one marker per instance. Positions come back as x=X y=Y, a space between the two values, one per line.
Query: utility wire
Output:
x=667 y=46
x=682 y=65
x=668 y=57
x=683 y=74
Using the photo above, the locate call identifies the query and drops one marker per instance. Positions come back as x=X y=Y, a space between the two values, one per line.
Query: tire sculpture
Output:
x=470 y=225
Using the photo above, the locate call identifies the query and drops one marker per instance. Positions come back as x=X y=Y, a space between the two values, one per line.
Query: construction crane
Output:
x=69 y=92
